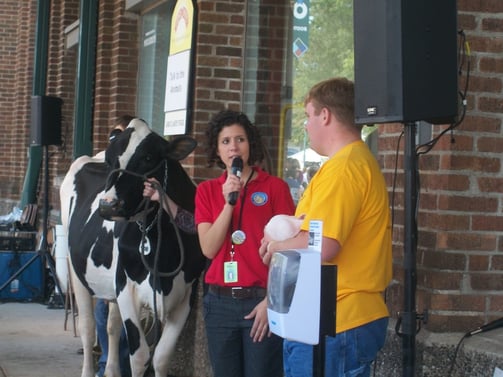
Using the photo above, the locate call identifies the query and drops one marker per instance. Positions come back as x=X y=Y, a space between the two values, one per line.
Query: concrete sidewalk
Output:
x=33 y=342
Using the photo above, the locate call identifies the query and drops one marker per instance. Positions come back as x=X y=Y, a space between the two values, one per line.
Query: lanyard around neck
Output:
x=243 y=199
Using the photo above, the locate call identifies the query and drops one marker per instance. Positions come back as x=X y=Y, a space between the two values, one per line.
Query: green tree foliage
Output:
x=330 y=54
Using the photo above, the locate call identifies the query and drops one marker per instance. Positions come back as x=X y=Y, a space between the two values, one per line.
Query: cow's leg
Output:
x=173 y=326
x=138 y=347
x=114 y=328
x=87 y=327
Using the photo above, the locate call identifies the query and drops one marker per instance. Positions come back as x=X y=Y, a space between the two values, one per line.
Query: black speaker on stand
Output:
x=405 y=61
x=45 y=131
x=46 y=120
x=405 y=72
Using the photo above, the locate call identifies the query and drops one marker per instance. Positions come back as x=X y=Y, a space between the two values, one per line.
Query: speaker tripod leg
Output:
x=46 y=255
x=57 y=298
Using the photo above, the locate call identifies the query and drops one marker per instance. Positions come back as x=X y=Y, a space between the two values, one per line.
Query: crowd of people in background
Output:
x=298 y=178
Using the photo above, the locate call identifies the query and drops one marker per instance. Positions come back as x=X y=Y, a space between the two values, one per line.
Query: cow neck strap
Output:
x=144 y=229
x=158 y=220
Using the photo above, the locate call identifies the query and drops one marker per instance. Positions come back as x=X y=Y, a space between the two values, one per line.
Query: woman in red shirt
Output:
x=235 y=303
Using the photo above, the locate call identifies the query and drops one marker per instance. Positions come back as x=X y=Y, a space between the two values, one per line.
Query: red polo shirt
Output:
x=266 y=196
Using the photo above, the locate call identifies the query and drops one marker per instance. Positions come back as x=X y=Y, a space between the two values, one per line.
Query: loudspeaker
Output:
x=405 y=61
x=46 y=120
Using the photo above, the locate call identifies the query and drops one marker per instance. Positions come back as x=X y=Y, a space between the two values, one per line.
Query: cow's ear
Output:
x=181 y=147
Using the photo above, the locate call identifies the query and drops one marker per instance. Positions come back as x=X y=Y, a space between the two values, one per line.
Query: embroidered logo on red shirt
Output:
x=259 y=198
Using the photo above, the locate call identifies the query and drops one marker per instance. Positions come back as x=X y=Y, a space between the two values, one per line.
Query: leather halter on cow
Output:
x=109 y=258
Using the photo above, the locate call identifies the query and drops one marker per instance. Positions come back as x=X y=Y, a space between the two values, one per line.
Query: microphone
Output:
x=236 y=169
x=490 y=326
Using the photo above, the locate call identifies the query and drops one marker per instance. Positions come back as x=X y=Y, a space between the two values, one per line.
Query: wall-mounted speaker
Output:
x=405 y=61
x=45 y=120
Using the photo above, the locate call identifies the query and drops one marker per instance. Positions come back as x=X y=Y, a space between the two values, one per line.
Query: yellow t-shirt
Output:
x=349 y=195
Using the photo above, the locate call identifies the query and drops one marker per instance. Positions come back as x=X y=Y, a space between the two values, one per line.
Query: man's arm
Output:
x=329 y=247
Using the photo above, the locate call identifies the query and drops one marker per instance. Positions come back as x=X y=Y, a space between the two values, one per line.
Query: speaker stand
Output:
x=408 y=319
x=410 y=248
x=42 y=252
x=328 y=304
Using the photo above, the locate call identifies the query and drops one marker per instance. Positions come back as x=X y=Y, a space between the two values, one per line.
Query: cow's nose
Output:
x=111 y=209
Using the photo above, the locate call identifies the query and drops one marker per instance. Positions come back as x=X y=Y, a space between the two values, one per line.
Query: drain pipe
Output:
x=29 y=193
x=86 y=72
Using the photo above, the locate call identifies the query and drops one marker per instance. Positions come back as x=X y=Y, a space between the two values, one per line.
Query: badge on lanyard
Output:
x=230 y=272
x=238 y=237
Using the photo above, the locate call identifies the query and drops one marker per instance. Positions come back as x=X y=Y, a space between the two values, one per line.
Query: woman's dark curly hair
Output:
x=227 y=118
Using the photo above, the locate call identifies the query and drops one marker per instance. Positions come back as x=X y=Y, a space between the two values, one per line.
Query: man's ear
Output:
x=325 y=115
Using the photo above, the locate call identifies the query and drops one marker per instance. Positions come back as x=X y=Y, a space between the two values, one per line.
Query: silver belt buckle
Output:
x=235 y=292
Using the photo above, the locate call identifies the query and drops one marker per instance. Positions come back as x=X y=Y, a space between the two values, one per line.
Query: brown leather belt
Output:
x=238 y=292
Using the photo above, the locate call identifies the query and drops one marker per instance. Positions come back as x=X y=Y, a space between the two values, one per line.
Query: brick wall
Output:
x=116 y=68
x=221 y=69
x=62 y=67
x=219 y=75
x=16 y=56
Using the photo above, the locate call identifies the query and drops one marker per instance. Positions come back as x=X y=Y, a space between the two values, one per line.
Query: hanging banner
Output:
x=179 y=69
x=300 y=27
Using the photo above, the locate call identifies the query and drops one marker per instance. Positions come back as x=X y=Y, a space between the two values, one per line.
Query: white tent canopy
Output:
x=308 y=155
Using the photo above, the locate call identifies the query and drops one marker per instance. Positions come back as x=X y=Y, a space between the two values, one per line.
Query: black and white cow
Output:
x=107 y=260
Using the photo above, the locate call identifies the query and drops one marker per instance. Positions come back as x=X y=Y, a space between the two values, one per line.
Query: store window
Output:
x=153 y=61
x=166 y=64
x=291 y=45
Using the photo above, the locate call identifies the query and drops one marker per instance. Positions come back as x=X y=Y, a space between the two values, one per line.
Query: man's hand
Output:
x=266 y=250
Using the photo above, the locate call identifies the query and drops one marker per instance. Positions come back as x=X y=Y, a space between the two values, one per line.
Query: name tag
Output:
x=230 y=272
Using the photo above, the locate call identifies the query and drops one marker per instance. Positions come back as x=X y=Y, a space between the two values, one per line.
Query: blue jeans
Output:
x=231 y=349
x=348 y=354
x=101 y=318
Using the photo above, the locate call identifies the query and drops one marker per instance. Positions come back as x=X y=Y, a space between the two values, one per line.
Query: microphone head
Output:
x=237 y=166
x=237 y=163
x=236 y=169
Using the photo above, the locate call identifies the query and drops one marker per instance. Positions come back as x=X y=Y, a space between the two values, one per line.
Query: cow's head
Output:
x=139 y=153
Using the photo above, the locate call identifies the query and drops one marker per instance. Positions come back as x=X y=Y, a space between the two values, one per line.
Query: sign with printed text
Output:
x=300 y=27
x=179 y=69
x=315 y=235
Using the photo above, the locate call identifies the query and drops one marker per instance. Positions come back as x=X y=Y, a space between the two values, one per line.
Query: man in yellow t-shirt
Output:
x=349 y=194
